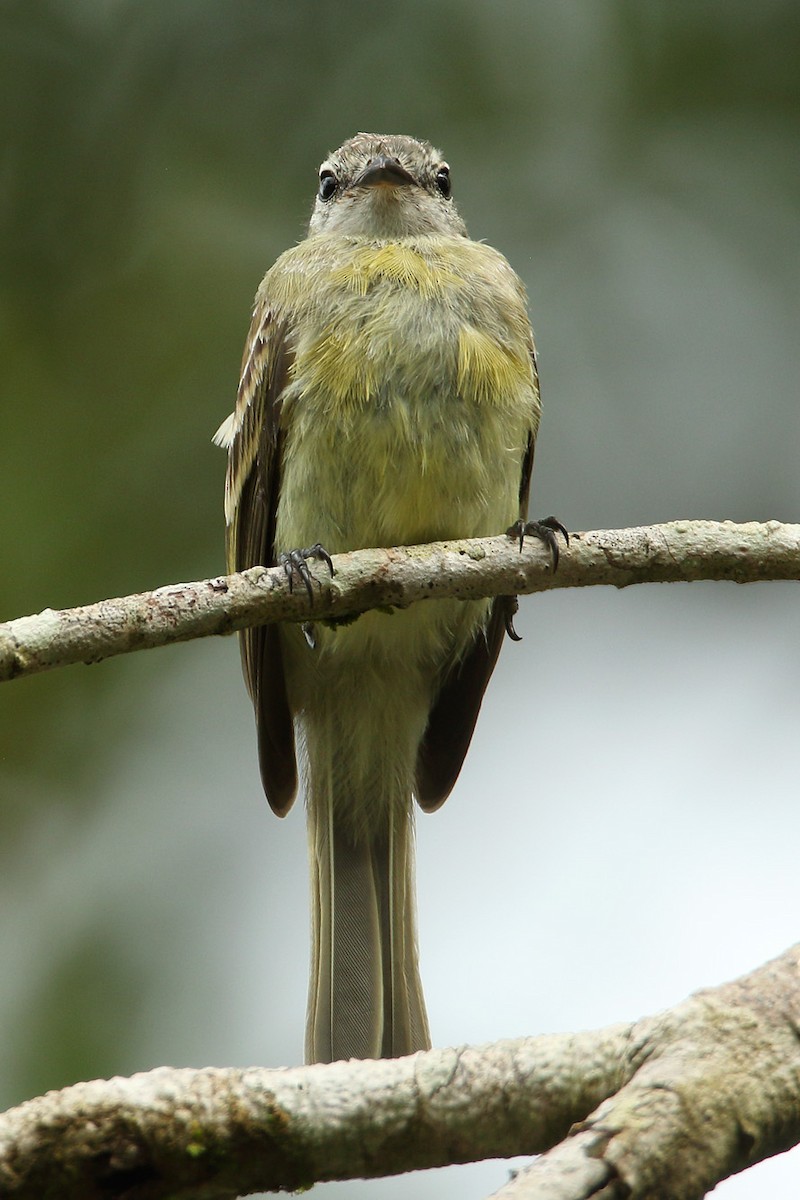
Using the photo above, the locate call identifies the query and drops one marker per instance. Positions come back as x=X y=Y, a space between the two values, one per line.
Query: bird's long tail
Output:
x=365 y=995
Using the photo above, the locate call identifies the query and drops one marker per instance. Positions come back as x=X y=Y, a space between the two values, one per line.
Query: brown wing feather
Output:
x=452 y=719
x=252 y=496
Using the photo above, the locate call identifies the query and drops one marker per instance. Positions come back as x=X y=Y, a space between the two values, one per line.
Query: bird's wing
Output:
x=252 y=435
x=452 y=719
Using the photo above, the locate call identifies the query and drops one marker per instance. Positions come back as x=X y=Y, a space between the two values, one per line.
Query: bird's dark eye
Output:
x=443 y=181
x=327 y=184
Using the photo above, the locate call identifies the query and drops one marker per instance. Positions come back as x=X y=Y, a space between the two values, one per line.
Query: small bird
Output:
x=388 y=396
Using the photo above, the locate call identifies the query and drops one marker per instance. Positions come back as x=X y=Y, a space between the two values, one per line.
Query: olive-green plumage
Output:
x=388 y=396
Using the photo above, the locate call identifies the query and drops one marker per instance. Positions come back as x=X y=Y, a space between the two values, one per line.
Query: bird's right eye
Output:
x=327 y=184
x=443 y=181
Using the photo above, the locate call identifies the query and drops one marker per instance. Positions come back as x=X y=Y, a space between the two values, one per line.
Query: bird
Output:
x=388 y=396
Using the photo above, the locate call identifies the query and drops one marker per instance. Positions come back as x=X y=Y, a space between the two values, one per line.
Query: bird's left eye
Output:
x=327 y=184
x=443 y=181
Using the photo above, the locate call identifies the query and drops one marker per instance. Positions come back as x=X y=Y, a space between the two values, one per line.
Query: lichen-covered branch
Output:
x=678 y=551
x=663 y=1108
x=219 y=1133
x=715 y=1088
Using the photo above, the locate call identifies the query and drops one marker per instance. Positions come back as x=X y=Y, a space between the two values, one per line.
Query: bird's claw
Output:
x=512 y=608
x=295 y=562
x=545 y=530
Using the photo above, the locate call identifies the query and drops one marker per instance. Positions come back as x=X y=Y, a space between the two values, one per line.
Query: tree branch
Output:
x=674 y=552
x=663 y=1108
x=715 y=1089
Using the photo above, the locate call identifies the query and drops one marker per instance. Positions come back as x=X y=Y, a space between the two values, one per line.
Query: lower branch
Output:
x=715 y=1089
x=219 y=1133
x=663 y=1108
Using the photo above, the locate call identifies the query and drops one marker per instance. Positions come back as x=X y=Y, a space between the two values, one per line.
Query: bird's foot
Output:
x=545 y=530
x=295 y=564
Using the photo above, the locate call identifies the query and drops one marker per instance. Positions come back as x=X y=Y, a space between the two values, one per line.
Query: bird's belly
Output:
x=396 y=470
x=408 y=411
x=399 y=434
x=399 y=471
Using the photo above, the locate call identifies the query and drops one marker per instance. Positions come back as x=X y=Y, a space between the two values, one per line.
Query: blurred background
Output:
x=626 y=827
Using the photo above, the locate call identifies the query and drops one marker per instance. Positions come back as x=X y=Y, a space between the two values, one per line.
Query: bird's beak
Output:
x=385 y=171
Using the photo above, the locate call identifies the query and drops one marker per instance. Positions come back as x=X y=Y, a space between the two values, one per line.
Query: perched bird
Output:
x=388 y=396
